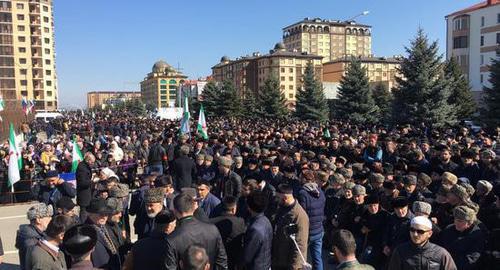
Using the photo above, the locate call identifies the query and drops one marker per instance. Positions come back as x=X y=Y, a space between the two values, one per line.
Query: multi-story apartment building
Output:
x=250 y=73
x=327 y=38
x=192 y=89
x=473 y=38
x=378 y=70
x=102 y=99
x=161 y=85
x=27 y=57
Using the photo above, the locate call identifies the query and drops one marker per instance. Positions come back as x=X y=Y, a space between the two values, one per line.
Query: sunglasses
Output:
x=417 y=231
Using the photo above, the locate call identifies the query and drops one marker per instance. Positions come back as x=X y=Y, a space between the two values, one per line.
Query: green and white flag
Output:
x=326 y=133
x=15 y=159
x=202 y=124
x=77 y=157
x=185 y=118
x=2 y=107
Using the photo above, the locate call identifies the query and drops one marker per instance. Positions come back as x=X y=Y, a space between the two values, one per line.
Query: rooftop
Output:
x=475 y=7
x=363 y=59
x=327 y=22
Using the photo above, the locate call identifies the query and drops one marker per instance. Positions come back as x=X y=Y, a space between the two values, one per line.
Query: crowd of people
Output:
x=264 y=194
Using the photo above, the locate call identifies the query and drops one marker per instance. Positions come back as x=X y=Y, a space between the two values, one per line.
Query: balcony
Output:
x=35 y=22
x=7 y=9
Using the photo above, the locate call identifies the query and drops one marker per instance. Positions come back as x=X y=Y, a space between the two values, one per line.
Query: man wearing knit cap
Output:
x=397 y=225
x=153 y=204
x=28 y=235
x=464 y=239
x=420 y=253
x=373 y=227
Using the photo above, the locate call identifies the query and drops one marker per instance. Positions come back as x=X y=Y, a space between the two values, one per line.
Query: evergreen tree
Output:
x=491 y=113
x=383 y=99
x=230 y=101
x=211 y=99
x=423 y=91
x=461 y=95
x=251 y=105
x=355 y=102
x=136 y=107
x=272 y=101
x=311 y=103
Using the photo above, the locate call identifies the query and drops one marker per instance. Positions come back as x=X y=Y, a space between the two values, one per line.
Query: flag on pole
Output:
x=202 y=124
x=2 y=106
x=24 y=103
x=15 y=159
x=31 y=106
x=185 y=118
x=77 y=157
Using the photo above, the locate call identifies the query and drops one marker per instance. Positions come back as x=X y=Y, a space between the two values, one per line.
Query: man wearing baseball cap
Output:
x=420 y=253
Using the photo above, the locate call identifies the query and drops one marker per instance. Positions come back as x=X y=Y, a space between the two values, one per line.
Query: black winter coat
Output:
x=465 y=247
x=232 y=229
x=184 y=172
x=83 y=184
x=154 y=252
x=191 y=231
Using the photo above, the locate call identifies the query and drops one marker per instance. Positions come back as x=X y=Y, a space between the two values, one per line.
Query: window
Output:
x=45 y=8
x=49 y=83
x=47 y=51
x=47 y=40
x=48 y=72
x=163 y=87
x=498 y=38
x=290 y=87
x=22 y=49
x=22 y=60
x=23 y=71
x=46 y=30
x=482 y=20
x=282 y=78
x=20 y=6
x=45 y=19
x=47 y=61
x=482 y=59
x=20 y=28
x=20 y=17
x=291 y=70
x=49 y=103
x=282 y=87
x=290 y=95
x=49 y=93
x=498 y=18
x=460 y=42
x=282 y=70
x=21 y=39
x=290 y=78
x=163 y=92
x=482 y=40
x=24 y=82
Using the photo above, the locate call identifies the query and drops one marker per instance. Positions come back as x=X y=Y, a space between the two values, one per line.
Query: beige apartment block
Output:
x=102 y=99
x=249 y=73
x=328 y=38
x=161 y=86
x=27 y=57
x=378 y=70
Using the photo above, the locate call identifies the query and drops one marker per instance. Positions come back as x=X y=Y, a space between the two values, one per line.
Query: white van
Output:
x=48 y=116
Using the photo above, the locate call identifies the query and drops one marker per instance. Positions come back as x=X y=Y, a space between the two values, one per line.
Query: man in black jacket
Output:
x=84 y=184
x=232 y=229
x=156 y=157
x=228 y=183
x=191 y=231
x=183 y=169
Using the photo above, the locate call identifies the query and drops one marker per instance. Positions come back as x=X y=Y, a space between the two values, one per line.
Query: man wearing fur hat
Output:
x=464 y=239
x=28 y=235
x=153 y=204
x=420 y=253
x=184 y=169
x=228 y=183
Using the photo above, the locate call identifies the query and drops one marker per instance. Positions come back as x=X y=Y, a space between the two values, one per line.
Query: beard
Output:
x=152 y=214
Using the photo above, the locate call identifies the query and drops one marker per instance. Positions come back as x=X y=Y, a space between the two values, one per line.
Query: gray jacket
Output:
x=42 y=257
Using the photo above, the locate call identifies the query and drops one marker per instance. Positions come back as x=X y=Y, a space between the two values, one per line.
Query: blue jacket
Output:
x=209 y=204
x=312 y=199
x=26 y=238
x=257 y=244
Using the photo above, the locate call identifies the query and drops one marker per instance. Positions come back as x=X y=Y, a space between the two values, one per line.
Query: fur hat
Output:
x=460 y=192
x=226 y=162
x=358 y=190
x=40 y=210
x=421 y=207
x=410 y=180
x=377 y=178
x=119 y=191
x=349 y=185
x=337 y=178
x=449 y=177
x=209 y=158
x=154 y=195
x=426 y=179
x=484 y=185
x=464 y=213
x=114 y=204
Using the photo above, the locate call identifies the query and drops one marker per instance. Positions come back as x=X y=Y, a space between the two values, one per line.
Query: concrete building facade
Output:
x=473 y=38
x=378 y=70
x=102 y=99
x=329 y=39
x=161 y=85
x=250 y=73
x=27 y=57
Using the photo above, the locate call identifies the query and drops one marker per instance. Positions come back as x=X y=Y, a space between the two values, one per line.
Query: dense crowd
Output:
x=264 y=194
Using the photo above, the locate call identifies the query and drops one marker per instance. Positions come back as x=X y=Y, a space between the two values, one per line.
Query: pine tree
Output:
x=491 y=113
x=423 y=91
x=136 y=107
x=211 y=99
x=383 y=99
x=311 y=103
x=230 y=101
x=272 y=101
x=355 y=102
x=251 y=105
x=461 y=96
